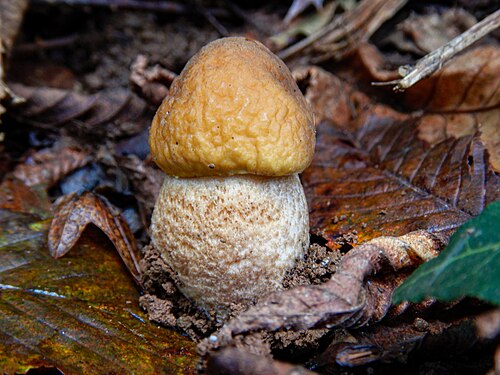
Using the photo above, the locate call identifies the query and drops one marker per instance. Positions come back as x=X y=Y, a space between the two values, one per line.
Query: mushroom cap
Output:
x=234 y=109
x=230 y=239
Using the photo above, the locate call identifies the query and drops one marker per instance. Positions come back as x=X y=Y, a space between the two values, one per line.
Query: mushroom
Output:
x=232 y=135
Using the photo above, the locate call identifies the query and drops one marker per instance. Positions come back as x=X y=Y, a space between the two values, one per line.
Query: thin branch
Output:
x=435 y=60
x=47 y=44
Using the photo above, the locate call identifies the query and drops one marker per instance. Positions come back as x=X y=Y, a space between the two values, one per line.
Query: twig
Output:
x=435 y=60
x=210 y=17
x=47 y=44
x=240 y=13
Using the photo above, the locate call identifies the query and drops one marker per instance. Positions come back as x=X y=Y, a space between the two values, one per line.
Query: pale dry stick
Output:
x=435 y=60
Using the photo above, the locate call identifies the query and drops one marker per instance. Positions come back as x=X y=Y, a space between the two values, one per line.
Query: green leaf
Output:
x=79 y=313
x=468 y=267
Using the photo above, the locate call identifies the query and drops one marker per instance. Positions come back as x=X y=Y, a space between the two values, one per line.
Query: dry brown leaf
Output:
x=11 y=15
x=48 y=166
x=421 y=34
x=114 y=112
x=347 y=300
x=373 y=176
x=345 y=32
x=73 y=212
x=153 y=82
x=458 y=100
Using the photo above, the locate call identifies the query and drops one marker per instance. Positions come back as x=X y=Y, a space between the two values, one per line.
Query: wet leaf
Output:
x=72 y=214
x=467 y=267
x=373 y=176
x=16 y=196
x=114 y=112
x=48 y=166
x=79 y=314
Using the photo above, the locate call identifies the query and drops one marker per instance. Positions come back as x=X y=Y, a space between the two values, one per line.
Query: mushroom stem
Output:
x=230 y=239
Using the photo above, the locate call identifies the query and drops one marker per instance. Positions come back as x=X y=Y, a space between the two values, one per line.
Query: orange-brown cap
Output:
x=234 y=109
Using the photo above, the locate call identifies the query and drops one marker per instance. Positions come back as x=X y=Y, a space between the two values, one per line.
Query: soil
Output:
x=103 y=44
x=167 y=306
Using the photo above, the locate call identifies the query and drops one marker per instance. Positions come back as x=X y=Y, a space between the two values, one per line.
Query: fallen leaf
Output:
x=72 y=214
x=114 y=112
x=16 y=196
x=415 y=342
x=348 y=299
x=467 y=267
x=79 y=314
x=153 y=82
x=461 y=99
x=48 y=166
x=372 y=170
x=421 y=34
x=380 y=342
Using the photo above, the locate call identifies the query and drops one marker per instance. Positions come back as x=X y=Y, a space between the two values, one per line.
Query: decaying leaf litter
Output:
x=375 y=181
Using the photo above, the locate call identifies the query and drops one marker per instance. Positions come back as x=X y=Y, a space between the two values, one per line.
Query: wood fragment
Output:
x=436 y=59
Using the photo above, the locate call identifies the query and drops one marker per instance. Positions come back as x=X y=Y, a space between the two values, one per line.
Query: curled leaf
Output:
x=352 y=297
x=153 y=82
x=74 y=212
x=113 y=112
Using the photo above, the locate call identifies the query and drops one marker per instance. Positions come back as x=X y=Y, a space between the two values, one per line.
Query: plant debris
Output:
x=394 y=176
x=73 y=212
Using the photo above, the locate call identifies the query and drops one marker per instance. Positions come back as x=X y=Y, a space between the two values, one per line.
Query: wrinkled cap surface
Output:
x=234 y=109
